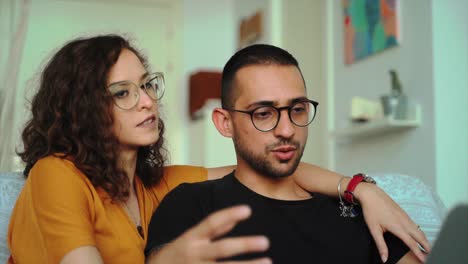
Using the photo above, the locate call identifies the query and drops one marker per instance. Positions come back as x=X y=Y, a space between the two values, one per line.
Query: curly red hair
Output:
x=72 y=117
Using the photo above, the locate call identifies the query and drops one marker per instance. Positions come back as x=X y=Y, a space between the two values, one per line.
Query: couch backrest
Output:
x=420 y=202
x=11 y=184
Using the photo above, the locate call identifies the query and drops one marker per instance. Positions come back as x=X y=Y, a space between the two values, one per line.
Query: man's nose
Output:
x=285 y=127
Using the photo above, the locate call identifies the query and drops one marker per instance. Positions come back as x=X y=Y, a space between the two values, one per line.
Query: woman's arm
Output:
x=323 y=181
x=86 y=254
x=218 y=172
x=381 y=213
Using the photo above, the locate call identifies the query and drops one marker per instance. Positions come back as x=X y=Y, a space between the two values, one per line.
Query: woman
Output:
x=94 y=150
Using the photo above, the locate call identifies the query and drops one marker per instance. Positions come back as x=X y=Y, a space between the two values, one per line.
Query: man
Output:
x=266 y=111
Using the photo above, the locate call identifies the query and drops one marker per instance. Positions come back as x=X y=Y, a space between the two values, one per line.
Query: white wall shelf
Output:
x=381 y=126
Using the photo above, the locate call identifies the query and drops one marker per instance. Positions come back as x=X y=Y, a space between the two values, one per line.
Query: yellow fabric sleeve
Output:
x=175 y=175
x=53 y=214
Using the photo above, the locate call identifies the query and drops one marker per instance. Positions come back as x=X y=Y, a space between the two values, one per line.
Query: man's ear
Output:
x=222 y=121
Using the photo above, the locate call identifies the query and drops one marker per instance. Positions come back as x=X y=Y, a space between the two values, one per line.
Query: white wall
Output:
x=208 y=34
x=450 y=53
x=209 y=41
x=410 y=152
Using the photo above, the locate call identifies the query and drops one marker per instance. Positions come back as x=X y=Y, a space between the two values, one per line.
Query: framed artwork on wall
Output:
x=250 y=29
x=370 y=26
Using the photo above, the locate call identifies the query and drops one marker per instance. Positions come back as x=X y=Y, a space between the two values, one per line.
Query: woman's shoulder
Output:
x=176 y=174
x=56 y=170
x=54 y=160
x=183 y=168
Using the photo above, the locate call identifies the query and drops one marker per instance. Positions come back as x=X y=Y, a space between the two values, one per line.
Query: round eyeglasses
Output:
x=126 y=94
x=266 y=118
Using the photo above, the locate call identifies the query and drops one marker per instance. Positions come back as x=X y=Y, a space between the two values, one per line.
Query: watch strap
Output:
x=353 y=183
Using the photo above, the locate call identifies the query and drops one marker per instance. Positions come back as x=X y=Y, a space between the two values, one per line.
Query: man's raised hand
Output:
x=200 y=245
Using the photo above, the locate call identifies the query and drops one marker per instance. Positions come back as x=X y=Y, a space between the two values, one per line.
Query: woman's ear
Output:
x=222 y=121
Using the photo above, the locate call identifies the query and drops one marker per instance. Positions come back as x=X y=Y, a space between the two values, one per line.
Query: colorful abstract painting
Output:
x=370 y=26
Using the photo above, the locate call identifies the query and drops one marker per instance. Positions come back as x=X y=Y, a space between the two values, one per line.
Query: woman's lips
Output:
x=148 y=122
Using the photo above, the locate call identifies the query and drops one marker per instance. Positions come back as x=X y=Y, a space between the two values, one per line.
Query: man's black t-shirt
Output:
x=304 y=231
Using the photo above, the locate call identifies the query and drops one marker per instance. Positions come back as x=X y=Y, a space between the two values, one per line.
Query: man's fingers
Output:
x=200 y=240
x=377 y=234
x=229 y=247
x=220 y=222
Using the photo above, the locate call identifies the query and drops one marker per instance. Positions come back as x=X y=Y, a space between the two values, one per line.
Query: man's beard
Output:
x=260 y=162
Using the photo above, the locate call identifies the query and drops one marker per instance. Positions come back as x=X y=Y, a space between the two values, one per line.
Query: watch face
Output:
x=368 y=179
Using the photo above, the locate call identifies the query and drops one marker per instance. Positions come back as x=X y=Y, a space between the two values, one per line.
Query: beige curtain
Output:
x=13 y=24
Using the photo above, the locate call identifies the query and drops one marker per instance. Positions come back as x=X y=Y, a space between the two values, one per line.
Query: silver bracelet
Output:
x=347 y=210
x=339 y=188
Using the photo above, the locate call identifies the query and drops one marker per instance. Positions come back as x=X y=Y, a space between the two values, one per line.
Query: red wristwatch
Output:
x=357 y=178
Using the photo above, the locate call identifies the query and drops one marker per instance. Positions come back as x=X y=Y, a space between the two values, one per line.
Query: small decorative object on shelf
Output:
x=399 y=114
x=395 y=104
x=365 y=110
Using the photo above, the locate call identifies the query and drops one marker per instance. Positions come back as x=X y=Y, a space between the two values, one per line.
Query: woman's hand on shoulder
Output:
x=199 y=245
x=382 y=214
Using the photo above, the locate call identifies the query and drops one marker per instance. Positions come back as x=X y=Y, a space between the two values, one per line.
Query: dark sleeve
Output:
x=176 y=213
x=396 y=249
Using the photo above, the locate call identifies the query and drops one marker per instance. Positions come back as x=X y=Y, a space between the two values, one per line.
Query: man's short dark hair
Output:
x=258 y=54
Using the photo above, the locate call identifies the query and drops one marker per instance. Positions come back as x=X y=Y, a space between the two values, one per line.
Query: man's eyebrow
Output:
x=299 y=99
x=260 y=103
x=272 y=103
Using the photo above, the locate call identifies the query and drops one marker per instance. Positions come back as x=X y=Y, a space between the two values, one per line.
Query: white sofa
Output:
x=418 y=200
x=10 y=186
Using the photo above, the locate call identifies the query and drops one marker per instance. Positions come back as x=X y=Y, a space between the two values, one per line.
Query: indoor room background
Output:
x=182 y=37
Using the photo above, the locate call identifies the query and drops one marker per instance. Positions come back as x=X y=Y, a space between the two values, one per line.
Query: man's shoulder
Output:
x=197 y=192
x=204 y=186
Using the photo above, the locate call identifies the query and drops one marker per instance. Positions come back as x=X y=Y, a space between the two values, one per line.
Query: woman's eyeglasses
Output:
x=126 y=94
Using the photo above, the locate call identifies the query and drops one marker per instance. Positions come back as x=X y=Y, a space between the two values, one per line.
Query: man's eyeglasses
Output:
x=266 y=118
x=126 y=94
